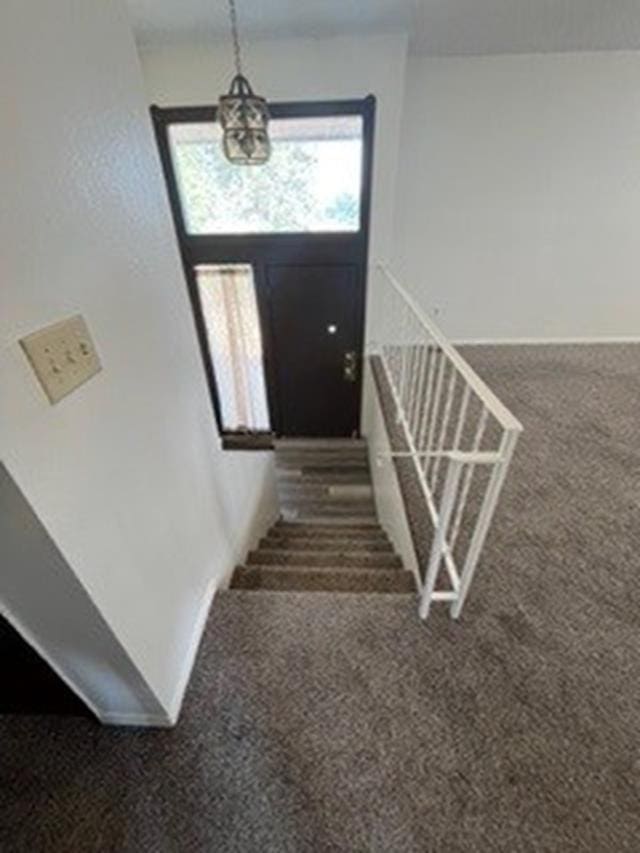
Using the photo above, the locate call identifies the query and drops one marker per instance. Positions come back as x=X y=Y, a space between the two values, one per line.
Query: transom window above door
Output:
x=311 y=184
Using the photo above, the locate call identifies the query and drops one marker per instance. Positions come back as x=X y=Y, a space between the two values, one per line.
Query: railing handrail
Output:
x=499 y=411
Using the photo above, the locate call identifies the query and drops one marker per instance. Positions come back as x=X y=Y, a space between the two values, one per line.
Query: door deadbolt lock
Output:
x=350 y=367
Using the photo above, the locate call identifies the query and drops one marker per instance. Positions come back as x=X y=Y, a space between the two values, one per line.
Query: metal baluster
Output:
x=494 y=487
x=402 y=348
x=426 y=405
x=443 y=428
x=440 y=539
x=466 y=484
x=434 y=414
x=417 y=403
x=411 y=371
x=462 y=414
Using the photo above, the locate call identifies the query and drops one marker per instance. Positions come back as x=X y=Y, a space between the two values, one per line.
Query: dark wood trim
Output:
x=248 y=441
x=160 y=127
x=220 y=248
x=278 y=109
x=368 y=132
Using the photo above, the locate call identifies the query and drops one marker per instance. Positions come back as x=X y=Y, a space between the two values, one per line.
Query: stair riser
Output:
x=328 y=514
x=323 y=474
x=325 y=491
x=330 y=506
x=336 y=527
x=332 y=544
x=309 y=519
x=321 y=464
x=338 y=460
x=287 y=445
x=332 y=559
x=293 y=480
x=338 y=454
x=359 y=539
x=285 y=580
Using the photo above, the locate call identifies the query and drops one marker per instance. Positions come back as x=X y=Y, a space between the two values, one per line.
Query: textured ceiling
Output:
x=436 y=27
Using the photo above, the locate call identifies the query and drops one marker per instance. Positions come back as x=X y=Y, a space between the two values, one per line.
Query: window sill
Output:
x=248 y=441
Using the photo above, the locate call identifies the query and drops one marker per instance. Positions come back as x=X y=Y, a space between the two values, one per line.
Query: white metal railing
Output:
x=458 y=436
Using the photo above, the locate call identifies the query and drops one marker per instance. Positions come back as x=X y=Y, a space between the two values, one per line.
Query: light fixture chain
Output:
x=234 y=33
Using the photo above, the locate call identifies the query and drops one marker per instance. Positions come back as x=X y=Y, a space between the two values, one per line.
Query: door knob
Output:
x=350 y=366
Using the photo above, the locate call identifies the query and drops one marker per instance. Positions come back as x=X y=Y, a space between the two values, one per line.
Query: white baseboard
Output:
x=493 y=342
x=190 y=659
x=115 y=718
x=147 y=720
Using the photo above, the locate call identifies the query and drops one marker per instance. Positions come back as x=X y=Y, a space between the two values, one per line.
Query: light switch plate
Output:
x=62 y=356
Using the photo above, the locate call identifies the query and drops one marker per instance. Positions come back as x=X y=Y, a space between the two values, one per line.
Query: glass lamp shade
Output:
x=244 y=118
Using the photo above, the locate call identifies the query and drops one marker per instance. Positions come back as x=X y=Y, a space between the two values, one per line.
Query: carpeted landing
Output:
x=324 y=722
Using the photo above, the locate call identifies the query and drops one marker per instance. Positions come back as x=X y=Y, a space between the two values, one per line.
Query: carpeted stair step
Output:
x=290 y=444
x=325 y=491
x=325 y=558
x=287 y=579
x=295 y=478
x=296 y=517
x=330 y=506
x=333 y=543
x=353 y=450
x=335 y=527
x=356 y=457
x=293 y=472
x=303 y=472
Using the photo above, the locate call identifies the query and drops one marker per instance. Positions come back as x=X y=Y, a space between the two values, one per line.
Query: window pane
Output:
x=310 y=184
x=230 y=310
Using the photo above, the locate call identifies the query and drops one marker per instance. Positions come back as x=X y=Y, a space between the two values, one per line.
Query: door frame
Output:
x=242 y=248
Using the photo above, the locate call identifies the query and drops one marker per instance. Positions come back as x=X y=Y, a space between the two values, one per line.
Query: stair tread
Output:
x=333 y=559
x=330 y=489
x=296 y=511
x=337 y=568
x=327 y=544
x=324 y=518
x=327 y=541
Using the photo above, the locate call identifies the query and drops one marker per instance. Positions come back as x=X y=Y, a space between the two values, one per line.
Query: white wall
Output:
x=506 y=192
x=44 y=600
x=386 y=488
x=299 y=69
x=125 y=474
x=518 y=207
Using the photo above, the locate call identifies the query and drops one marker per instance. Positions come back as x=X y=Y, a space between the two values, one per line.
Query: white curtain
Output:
x=228 y=299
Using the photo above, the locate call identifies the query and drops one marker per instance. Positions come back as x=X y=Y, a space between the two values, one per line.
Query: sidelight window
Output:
x=230 y=313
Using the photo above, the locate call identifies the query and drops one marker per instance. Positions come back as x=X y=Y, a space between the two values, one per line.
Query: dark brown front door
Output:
x=315 y=326
x=302 y=223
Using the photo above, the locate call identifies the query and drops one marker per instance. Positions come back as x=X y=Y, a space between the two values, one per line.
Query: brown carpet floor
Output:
x=320 y=722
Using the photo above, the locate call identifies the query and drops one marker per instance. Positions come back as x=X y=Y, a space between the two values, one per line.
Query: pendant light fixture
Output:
x=244 y=117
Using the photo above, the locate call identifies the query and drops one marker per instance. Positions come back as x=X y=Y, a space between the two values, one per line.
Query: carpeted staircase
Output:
x=328 y=537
